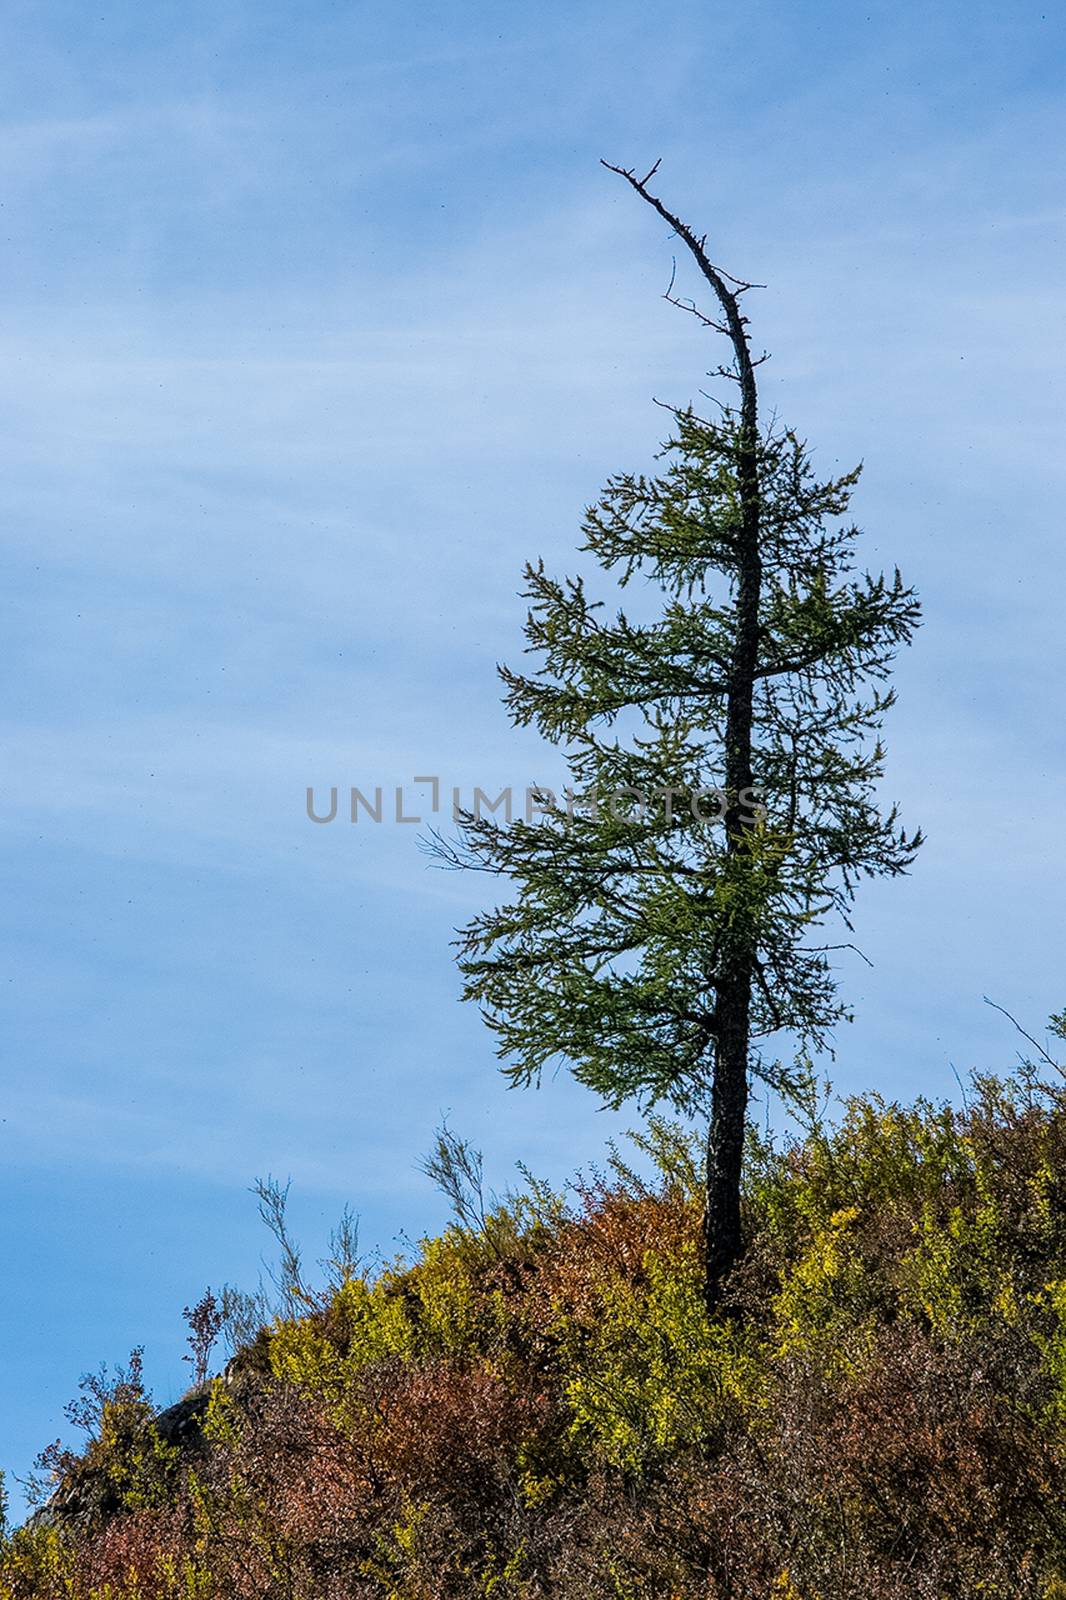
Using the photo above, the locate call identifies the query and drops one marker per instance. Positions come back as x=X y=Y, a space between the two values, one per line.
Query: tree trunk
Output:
x=725 y=1138
x=732 y=1012
x=736 y=972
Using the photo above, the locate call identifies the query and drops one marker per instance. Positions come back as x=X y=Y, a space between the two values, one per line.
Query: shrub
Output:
x=537 y=1406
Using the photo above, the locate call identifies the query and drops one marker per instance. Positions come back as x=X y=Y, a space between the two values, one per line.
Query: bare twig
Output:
x=1034 y=1042
x=818 y=948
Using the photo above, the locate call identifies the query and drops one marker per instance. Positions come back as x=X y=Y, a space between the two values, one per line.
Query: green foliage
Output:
x=365 y=1325
x=822 y=1292
x=1051 y=1342
x=537 y=1403
x=611 y=954
x=651 y=1375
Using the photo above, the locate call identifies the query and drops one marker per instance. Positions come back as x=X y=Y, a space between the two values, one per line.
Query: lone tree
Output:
x=723 y=759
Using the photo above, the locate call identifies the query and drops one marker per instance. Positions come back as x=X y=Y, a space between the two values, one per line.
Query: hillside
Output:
x=536 y=1406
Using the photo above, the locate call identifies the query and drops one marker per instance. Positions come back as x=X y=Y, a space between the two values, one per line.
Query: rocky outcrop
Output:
x=87 y=1494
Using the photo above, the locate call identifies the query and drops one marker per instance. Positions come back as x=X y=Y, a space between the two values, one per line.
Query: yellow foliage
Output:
x=652 y=1375
x=822 y=1284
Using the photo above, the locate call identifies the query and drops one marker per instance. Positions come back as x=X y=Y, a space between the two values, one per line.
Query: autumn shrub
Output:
x=536 y=1405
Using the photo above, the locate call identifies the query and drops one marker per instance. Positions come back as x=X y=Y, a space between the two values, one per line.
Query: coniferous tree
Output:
x=723 y=761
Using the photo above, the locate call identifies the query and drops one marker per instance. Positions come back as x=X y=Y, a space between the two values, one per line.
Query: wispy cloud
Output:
x=312 y=329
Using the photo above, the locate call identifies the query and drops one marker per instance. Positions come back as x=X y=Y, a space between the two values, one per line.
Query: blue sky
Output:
x=316 y=322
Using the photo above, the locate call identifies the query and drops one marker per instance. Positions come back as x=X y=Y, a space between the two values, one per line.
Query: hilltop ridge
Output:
x=537 y=1405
